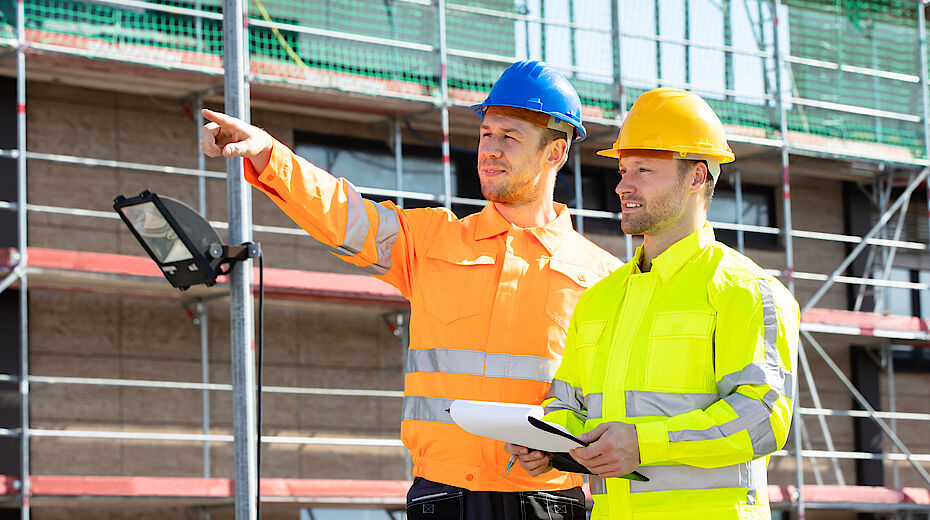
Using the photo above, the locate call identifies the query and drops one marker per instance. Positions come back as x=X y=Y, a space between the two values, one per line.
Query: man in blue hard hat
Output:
x=490 y=294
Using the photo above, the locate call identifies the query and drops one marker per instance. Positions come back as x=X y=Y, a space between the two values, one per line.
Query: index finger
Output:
x=515 y=449
x=218 y=117
x=589 y=452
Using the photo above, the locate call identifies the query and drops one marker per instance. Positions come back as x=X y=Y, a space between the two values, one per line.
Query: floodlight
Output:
x=183 y=244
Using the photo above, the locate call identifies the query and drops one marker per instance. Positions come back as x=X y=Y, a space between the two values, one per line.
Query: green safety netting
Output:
x=852 y=74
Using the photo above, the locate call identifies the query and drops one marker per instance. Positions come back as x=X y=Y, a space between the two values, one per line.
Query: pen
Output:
x=510 y=463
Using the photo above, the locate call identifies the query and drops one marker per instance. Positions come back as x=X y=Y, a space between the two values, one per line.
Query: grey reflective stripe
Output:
x=769 y=323
x=357 y=225
x=597 y=484
x=641 y=403
x=779 y=379
x=478 y=363
x=356 y=221
x=567 y=397
x=595 y=404
x=514 y=366
x=770 y=373
x=750 y=475
x=444 y=360
x=753 y=416
x=388 y=227
x=761 y=434
x=427 y=409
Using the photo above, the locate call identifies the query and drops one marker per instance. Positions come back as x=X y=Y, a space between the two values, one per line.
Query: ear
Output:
x=555 y=153
x=698 y=177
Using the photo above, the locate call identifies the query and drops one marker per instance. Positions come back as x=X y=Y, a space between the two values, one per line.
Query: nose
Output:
x=623 y=188
x=489 y=147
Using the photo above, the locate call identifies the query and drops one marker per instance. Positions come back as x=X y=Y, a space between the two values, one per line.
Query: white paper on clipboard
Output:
x=509 y=422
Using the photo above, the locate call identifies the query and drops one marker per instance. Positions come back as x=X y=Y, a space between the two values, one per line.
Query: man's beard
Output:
x=660 y=213
x=511 y=188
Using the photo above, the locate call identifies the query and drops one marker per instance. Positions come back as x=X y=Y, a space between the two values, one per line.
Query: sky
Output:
x=638 y=49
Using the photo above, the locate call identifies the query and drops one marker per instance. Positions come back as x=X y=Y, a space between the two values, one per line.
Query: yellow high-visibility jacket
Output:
x=699 y=354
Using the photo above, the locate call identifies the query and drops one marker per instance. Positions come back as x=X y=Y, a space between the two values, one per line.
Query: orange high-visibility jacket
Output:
x=490 y=305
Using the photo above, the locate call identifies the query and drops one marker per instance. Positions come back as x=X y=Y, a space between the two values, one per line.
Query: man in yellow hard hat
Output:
x=681 y=363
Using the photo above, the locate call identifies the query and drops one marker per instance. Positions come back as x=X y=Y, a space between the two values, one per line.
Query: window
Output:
x=758 y=209
x=906 y=302
x=370 y=164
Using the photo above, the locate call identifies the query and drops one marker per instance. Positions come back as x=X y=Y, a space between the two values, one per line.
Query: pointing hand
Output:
x=230 y=137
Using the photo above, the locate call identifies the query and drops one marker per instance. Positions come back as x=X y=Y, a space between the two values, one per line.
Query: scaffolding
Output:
x=803 y=79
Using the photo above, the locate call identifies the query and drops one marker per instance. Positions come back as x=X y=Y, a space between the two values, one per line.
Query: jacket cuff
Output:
x=653 y=442
x=272 y=170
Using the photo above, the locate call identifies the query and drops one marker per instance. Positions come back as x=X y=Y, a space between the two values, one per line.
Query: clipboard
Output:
x=522 y=424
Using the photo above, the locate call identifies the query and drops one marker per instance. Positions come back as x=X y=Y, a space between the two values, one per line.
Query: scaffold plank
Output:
x=380 y=491
x=279 y=283
x=295 y=284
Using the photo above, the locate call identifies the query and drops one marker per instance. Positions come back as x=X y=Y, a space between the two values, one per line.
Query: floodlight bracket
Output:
x=231 y=255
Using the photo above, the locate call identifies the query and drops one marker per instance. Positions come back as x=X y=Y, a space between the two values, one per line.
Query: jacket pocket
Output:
x=589 y=333
x=680 y=352
x=566 y=283
x=427 y=499
x=567 y=504
x=457 y=281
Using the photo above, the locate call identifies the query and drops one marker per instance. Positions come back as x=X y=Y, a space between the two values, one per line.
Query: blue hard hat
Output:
x=533 y=85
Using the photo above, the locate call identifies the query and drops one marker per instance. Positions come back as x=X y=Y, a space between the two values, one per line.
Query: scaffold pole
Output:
x=22 y=242
x=239 y=215
x=444 y=106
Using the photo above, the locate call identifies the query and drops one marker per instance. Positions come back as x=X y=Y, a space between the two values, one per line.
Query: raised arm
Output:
x=374 y=237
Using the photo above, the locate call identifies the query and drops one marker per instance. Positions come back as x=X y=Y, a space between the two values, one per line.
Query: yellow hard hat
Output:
x=676 y=121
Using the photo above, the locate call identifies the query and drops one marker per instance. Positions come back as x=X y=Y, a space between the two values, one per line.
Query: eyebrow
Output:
x=505 y=130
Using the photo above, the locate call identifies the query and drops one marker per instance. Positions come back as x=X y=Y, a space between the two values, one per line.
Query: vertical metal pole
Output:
x=628 y=243
x=201 y=159
x=198 y=28
x=240 y=298
x=658 y=30
x=571 y=37
x=815 y=397
x=617 y=34
x=922 y=36
x=402 y=333
x=796 y=426
x=203 y=326
x=892 y=407
x=687 y=37
x=444 y=106
x=729 y=73
x=738 y=188
x=579 y=200
x=23 y=257
x=398 y=162
x=526 y=34
x=780 y=84
x=542 y=30
x=876 y=87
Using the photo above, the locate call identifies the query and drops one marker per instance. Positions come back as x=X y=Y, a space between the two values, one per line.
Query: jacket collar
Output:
x=678 y=254
x=491 y=223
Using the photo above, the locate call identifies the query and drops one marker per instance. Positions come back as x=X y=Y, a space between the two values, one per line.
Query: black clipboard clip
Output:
x=563 y=461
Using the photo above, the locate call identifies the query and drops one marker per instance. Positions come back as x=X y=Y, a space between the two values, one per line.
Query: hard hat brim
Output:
x=723 y=157
x=580 y=132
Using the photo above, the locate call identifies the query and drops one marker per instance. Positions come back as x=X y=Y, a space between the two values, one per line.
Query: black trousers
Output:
x=428 y=500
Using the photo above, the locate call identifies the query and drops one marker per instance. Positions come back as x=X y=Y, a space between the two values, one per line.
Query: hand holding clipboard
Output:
x=523 y=425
